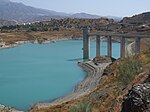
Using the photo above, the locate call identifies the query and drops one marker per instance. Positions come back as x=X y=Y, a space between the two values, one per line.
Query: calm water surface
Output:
x=32 y=73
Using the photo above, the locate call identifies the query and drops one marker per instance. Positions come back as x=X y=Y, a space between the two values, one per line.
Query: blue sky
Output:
x=119 y=8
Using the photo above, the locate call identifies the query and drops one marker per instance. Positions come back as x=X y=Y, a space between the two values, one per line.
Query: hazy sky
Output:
x=99 y=7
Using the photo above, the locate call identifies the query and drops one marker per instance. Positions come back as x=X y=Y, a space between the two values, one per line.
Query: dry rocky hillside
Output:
x=59 y=24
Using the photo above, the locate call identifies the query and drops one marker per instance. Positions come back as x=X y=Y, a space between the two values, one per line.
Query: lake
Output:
x=34 y=73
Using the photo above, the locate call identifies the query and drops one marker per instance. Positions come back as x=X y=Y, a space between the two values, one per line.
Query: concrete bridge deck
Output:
x=86 y=42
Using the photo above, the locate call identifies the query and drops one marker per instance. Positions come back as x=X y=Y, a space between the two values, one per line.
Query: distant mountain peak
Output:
x=23 y=13
x=84 y=15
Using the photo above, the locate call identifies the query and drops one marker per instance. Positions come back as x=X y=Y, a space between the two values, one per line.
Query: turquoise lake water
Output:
x=34 y=73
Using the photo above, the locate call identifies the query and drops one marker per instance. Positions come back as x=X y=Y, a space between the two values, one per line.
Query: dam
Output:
x=122 y=37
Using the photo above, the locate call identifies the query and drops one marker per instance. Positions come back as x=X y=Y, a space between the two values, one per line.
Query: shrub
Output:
x=44 y=29
x=126 y=70
x=33 y=28
x=82 y=107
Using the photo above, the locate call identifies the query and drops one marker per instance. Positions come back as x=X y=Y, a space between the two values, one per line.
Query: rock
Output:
x=41 y=41
x=103 y=59
x=7 y=109
x=138 y=99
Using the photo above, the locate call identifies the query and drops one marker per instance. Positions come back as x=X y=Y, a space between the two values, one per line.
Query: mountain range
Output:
x=20 y=13
x=7 y=23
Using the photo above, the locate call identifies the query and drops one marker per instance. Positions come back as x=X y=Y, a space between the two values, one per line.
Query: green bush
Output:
x=82 y=107
x=33 y=28
x=126 y=70
x=44 y=29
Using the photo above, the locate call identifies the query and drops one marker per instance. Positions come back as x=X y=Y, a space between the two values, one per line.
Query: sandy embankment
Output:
x=85 y=87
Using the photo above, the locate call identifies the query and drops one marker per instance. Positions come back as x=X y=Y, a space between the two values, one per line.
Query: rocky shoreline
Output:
x=3 y=45
x=4 y=108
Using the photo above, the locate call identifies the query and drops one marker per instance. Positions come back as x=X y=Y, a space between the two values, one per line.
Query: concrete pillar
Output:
x=109 y=46
x=122 y=47
x=137 y=45
x=86 y=44
x=97 y=45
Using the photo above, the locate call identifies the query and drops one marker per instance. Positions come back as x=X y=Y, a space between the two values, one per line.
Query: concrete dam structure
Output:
x=86 y=43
